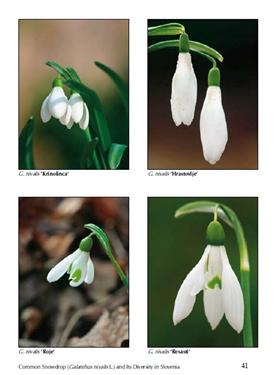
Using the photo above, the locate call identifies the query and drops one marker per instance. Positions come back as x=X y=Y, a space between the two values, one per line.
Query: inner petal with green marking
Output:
x=76 y=275
x=213 y=282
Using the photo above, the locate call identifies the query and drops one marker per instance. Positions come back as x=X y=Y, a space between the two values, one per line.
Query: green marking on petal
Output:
x=76 y=275
x=215 y=281
x=69 y=268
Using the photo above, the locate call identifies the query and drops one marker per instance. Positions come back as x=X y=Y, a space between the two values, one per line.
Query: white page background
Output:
x=138 y=185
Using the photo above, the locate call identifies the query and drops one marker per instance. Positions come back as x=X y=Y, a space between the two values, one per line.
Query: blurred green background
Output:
x=173 y=147
x=76 y=43
x=175 y=246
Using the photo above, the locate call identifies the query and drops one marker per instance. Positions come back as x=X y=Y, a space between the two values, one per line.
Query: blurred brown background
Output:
x=172 y=147
x=76 y=43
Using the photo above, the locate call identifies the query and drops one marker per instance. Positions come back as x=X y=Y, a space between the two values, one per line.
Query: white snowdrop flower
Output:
x=222 y=293
x=84 y=122
x=213 y=127
x=78 y=265
x=77 y=104
x=66 y=119
x=77 y=112
x=184 y=91
x=56 y=103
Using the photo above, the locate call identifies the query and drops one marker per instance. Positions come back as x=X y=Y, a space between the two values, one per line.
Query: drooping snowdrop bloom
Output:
x=184 y=86
x=78 y=265
x=213 y=274
x=56 y=103
x=213 y=128
x=77 y=112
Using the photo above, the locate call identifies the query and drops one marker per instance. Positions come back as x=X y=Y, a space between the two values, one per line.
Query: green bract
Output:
x=172 y=28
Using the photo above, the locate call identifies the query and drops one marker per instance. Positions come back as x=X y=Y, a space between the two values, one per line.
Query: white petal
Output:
x=76 y=102
x=213 y=306
x=213 y=128
x=44 y=112
x=191 y=286
x=84 y=122
x=184 y=91
x=66 y=119
x=90 y=272
x=214 y=261
x=70 y=124
x=79 y=264
x=232 y=295
x=57 y=271
x=57 y=102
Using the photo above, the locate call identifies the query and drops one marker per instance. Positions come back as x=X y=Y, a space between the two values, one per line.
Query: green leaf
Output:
x=25 y=146
x=197 y=46
x=166 y=29
x=204 y=207
x=72 y=72
x=105 y=243
x=194 y=46
x=163 y=44
x=115 y=155
x=94 y=104
x=119 y=82
x=101 y=236
x=59 y=69
x=88 y=155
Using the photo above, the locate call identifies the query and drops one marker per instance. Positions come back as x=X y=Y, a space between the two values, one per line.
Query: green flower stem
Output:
x=216 y=213
x=229 y=217
x=245 y=275
x=102 y=158
x=105 y=243
x=99 y=158
x=208 y=57
x=88 y=136
x=117 y=267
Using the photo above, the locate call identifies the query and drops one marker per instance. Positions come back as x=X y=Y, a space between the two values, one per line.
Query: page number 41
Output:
x=244 y=365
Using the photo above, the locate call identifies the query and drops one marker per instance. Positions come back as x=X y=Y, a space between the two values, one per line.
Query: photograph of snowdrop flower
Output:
x=203 y=94
x=73 y=272
x=200 y=273
x=73 y=94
